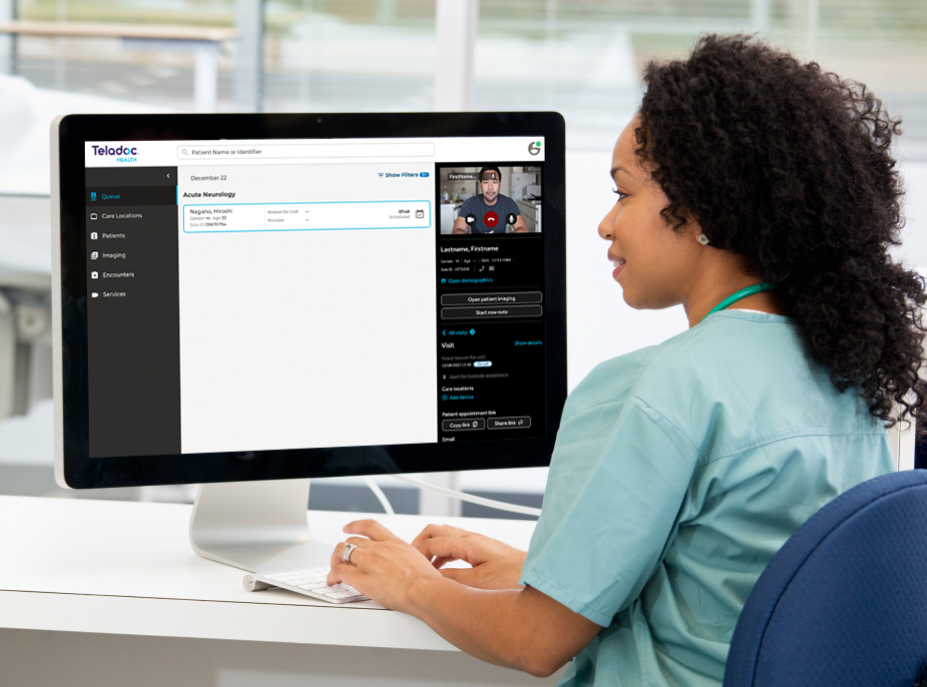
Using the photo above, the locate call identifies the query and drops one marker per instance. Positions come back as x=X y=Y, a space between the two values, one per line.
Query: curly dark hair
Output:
x=790 y=168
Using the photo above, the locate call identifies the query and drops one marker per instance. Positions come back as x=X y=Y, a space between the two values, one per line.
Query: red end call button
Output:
x=491 y=220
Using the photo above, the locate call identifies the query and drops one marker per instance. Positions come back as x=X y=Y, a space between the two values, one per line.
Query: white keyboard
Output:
x=309 y=582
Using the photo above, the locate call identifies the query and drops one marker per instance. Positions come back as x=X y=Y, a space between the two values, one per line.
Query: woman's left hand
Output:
x=382 y=566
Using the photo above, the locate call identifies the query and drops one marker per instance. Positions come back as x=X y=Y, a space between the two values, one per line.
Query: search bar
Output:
x=304 y=150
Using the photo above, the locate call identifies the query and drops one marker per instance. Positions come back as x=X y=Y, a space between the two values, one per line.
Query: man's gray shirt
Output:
x=503 y=207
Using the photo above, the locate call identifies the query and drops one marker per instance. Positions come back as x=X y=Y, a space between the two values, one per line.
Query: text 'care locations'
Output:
x=331 y=216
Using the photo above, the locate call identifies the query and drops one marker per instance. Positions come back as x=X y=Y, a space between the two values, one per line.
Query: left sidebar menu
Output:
x=133 y=311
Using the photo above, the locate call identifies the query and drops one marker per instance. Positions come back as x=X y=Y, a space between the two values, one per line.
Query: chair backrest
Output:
x=844 y=601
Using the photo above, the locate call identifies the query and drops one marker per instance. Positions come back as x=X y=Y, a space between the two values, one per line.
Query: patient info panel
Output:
x=307 y=313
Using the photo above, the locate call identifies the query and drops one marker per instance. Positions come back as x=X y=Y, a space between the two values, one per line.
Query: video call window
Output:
x=489 y=199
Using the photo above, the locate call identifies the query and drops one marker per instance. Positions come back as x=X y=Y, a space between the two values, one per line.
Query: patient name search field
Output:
x=325 y=150
x=309 y=216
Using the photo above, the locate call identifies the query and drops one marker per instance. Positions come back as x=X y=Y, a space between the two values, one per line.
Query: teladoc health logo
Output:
x=123 y=153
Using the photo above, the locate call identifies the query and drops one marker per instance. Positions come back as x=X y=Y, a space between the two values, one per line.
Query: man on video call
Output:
x=489 y=212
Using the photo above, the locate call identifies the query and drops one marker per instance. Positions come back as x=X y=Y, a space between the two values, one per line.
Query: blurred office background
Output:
x=582 y=58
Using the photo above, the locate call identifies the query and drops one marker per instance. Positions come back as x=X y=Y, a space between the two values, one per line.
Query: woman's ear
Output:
x=691 y=228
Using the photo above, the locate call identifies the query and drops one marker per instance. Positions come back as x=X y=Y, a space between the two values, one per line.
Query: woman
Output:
x=760 y=194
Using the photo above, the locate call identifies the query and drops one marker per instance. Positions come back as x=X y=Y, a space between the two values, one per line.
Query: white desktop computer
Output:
x=249 y=301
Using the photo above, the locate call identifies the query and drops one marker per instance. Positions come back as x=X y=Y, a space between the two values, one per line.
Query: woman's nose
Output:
x=607 y=225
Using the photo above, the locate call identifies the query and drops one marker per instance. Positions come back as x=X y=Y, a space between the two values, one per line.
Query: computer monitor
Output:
x=248 y=301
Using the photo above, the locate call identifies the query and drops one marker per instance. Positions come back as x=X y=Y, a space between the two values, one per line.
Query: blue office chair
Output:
x=844 y=602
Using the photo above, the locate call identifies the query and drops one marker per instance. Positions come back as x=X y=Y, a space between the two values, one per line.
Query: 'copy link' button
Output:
x=463 y=425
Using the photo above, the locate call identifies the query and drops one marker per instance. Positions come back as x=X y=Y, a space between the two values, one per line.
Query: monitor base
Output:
x=257 y=526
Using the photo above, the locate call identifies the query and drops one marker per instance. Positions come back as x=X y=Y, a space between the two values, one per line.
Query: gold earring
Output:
x=703 y=239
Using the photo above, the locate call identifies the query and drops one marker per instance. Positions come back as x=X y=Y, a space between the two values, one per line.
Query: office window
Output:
x=581 y=57
x=349 y=56
x=159 y=73
x=584 y=57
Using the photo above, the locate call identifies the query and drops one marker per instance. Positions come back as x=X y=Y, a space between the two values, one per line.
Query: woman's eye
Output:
x=620 y=194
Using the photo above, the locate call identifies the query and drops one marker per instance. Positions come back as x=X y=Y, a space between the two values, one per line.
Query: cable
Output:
x=460 y=496
x=375 y=488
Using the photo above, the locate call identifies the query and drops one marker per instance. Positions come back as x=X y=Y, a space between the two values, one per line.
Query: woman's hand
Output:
x=494 y=565
x=383 y=567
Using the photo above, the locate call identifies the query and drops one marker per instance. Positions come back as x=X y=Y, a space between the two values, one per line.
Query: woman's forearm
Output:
x=520 y=629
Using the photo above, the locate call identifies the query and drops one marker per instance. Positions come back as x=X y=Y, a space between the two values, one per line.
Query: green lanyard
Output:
x=743 y=293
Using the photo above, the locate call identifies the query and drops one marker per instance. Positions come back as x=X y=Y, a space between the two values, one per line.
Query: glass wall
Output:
x=582 y=58
x=319 y=55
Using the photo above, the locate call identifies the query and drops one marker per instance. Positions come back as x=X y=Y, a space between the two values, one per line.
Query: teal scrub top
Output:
x=678 y=472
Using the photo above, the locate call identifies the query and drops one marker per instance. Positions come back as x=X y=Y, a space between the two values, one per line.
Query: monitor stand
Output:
x=257 y=526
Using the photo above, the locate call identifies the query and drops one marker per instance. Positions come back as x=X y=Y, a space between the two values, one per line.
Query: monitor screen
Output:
x=267 y=298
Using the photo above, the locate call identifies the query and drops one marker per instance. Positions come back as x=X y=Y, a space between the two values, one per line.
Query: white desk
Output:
x=124 y=578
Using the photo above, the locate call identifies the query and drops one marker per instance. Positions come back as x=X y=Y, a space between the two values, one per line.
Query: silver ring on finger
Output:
x=348 y=550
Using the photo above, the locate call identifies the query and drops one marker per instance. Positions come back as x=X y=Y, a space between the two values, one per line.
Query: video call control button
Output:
x=468 y=425
x=521 y=422
x=491 y=219
x=470 y=219
x=492 y=298
x=510 y=218
x=491 y=312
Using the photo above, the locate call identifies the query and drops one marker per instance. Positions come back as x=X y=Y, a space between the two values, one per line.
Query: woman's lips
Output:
x=619 y=265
